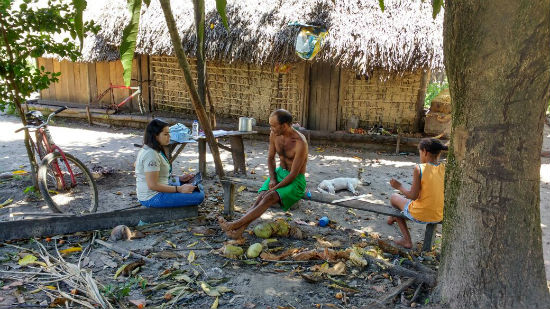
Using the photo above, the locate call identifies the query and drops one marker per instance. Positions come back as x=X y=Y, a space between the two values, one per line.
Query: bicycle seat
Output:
x=34 y=118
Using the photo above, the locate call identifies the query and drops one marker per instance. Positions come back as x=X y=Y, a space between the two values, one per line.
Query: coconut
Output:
x=263 y=230
x=232 y=252
x=283 y=228
x=254 y=250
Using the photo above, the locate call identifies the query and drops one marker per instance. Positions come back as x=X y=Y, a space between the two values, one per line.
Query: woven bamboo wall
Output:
x=391 y=102
x=236 y=89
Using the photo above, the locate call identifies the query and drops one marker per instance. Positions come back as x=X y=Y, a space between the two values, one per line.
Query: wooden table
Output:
x=236 y=147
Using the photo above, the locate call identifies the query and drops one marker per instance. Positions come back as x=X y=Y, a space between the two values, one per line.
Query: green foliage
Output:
x=30 y=30
x=29 y=190
x=436 y=5
x=129 y=37
x=121 y=290
x=433 y=90
x=220 y=6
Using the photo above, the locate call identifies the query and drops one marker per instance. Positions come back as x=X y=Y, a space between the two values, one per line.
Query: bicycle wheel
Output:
x=67 y=186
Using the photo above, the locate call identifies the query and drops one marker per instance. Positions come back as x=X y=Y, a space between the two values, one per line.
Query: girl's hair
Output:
x=431 y=145
x=154 y=128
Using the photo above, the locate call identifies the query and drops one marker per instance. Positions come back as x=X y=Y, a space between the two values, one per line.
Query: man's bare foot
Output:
x=235 y=234
x=403 y=243
x=391 y=220
x=224 y=224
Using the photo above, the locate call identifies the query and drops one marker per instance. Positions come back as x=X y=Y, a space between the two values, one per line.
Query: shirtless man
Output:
x=286 y=184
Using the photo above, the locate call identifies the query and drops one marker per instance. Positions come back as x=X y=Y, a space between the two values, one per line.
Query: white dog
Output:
x=336 y=184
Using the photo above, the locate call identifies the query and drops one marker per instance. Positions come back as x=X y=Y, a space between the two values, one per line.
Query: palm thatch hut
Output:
x=374 y=66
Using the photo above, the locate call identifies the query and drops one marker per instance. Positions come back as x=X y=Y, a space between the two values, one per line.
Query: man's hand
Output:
x=395 y=184
x=186 y=177
x=186 y=188
x=272 y=183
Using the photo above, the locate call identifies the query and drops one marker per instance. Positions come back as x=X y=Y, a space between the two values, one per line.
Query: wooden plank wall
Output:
x=80 y=82
x=324 y=97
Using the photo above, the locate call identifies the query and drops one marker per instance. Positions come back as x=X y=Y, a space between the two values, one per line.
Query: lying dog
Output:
x=336 y=184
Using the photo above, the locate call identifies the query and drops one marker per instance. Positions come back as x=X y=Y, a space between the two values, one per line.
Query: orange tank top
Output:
x=428 y=207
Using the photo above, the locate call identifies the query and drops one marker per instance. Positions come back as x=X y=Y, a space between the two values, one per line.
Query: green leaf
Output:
x=80 y=6
x=129 y=36
x=436 y=4
x=220 y=6
x=381 y=3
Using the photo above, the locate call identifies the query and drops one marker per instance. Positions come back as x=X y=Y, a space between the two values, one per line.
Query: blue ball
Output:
x=324 y=221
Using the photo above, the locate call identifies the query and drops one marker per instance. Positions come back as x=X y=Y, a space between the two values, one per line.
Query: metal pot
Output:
x=245 y=124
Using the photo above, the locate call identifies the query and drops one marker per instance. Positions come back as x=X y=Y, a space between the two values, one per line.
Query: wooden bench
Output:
x=229 y=184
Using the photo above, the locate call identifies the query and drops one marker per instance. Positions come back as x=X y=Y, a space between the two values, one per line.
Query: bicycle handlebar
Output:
x=45 y=123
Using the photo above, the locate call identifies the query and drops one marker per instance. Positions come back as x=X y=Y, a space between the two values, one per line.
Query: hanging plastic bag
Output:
x=309 y=40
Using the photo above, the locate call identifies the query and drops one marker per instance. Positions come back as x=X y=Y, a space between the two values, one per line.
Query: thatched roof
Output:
x=361 y=36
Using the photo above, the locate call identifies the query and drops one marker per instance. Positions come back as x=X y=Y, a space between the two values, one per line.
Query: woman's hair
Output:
x=432 y=145
x=154 y=128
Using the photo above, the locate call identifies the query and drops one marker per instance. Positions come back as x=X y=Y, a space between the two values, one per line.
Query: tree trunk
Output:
x=184 y=65
x=497 y=56
x=201 y=63
x=17 y=99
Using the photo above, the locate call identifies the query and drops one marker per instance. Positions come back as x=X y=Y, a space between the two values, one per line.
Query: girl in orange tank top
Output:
x=423 y=201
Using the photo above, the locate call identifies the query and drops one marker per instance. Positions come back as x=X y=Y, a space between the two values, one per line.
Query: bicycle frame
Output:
x=42 y=136
x=114 y=105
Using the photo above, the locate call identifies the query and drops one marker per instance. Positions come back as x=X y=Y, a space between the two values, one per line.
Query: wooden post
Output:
x=195 y=100
x=429 y=236
x=202 y=156
x=237 y=152
x=228 y=197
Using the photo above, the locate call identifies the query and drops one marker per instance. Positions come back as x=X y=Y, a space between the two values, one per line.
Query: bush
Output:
x=433 y=90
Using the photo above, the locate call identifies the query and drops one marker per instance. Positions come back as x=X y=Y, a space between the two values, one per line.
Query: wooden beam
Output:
x=97 y=221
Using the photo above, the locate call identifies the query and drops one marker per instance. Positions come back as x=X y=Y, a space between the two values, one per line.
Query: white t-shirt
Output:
x=150 y=160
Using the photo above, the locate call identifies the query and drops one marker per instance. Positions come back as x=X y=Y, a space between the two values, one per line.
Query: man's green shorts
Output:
x=291 y=193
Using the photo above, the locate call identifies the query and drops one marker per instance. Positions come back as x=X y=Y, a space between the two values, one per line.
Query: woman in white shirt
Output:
x=153 y=170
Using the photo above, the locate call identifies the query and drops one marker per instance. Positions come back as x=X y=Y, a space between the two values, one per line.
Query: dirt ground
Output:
x=257 y=285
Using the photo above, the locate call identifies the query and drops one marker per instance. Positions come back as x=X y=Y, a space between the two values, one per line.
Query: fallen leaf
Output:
x=241 y=189
x=129 y=269
x=170 y=243
x=119 y=270
x=58 y=302
x=70 y=250
x=30 y=259
x=209 y=290
x=191 y=256
x=378 y=288
x=183 y=277
x=328 y=244
x=6 y=202
x=19 y=172
x=338 y=269
x=167 y=255
x=215 y=303
x=193 y=244
x=140 y=303
x=50 y=287
x=13 y=284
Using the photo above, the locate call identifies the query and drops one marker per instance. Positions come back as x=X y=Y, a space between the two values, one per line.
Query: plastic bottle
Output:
x=195 y=130
x=323 y=221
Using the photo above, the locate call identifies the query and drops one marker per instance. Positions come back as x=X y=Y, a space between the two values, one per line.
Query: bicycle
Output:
x=115 y=106
x=64 y=181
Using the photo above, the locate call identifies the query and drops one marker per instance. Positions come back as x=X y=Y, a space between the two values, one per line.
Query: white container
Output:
x=246 y=123
x=195 y=129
